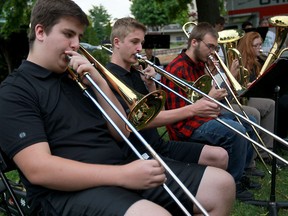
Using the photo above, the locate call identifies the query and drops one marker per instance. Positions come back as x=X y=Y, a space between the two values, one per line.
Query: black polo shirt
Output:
x=133 y=80
x=41 y=106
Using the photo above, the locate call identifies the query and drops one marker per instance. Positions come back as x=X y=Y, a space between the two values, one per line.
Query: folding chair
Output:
x=9 y=201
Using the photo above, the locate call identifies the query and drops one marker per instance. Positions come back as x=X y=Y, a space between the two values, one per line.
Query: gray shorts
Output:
x=116 y=200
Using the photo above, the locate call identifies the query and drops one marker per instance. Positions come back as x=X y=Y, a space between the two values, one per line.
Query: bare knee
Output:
x=146 y=207
x=216 y=192
x=214 y=156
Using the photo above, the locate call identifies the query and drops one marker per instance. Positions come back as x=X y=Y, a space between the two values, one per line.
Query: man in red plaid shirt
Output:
x=202 y=126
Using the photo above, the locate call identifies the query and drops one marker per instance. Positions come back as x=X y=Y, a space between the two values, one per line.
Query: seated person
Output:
x=122 y=65
x=203 y=127
x=67 y=153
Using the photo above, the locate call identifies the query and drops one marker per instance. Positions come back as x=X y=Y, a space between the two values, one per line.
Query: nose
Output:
x=139 y=47
x=75 y=44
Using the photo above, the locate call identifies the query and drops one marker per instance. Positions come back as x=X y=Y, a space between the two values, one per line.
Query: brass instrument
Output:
x=281 y=52
x=240 y=107
x=228 y=40
x=143 y=109
x=243 y=77
x=187 y=28
x=281 y=26
x=203 y=83
x=177 y=80
x=187 y=87
x=132 y=128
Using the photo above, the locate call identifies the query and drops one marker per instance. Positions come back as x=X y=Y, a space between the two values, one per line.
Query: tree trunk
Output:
x=14 y=50
x=208 y=11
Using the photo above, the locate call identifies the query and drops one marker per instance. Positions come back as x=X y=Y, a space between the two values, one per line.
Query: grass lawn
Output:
x=242 y=209
x=281 y=194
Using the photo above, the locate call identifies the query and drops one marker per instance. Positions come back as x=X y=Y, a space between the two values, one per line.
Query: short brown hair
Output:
x=49 y=12
x=124 y=26
x=200 y=30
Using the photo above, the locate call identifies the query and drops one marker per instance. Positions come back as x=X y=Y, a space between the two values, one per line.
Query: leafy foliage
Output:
x=15 y=15
x=149 y=12
x=98 y=32
x=100 y=25
x=158 y=13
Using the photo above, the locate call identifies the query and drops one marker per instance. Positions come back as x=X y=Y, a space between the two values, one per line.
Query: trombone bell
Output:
x=204 y=84
x=143 y=109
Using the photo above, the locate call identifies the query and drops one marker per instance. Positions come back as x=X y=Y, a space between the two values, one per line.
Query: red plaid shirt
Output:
x=184 y=68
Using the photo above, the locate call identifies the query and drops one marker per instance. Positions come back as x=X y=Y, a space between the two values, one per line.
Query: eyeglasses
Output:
x=257 y=45
x=211 y=47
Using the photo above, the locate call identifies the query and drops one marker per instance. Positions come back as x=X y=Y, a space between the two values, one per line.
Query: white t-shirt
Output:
x=268 y=42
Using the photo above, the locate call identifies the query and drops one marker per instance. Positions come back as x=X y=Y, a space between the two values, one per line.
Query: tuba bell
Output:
x=281 y=26
x=228 y=40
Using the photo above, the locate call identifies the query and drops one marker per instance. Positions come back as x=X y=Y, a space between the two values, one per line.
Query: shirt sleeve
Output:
x=20 y=120
x=182 y=129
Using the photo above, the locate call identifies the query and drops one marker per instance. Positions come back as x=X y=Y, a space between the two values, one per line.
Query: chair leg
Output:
x=4 y=205
x=11 y=192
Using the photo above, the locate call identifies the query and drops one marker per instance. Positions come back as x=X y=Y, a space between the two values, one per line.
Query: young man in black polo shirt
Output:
x=126 y=37
x=68 y=155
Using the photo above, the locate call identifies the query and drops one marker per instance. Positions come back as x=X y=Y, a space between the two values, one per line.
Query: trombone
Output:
x=177 y=80
x=239 y=105
x=103 y=71
x=189 y=88
x=143 y=109
x=228 y=40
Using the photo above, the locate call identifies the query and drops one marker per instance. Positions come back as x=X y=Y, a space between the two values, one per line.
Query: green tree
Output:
x=222 y=9
x=176 y=11
x=150 y=13
x=14 y=23
x=100 y=28
x=158 y=13
x=98 y=32
x=15 y=15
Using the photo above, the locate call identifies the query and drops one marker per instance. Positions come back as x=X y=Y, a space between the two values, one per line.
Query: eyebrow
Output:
x=73 y=32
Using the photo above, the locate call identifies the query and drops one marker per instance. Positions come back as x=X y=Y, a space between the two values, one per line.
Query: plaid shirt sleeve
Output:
x=184 y=68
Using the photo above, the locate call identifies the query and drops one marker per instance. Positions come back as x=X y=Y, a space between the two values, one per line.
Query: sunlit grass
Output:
x=281 y=189
x=240 y=208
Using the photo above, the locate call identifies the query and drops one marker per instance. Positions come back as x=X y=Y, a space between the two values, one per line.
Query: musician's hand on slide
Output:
x=218 y=94
x=143 y=174
x=205 y=108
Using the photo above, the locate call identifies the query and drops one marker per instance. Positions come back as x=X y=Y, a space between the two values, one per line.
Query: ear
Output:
x=194 y=42
x=116 y=42
x=39 y=32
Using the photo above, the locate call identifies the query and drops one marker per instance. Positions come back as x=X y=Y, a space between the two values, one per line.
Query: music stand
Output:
x=261 y=30
x=271 y=82
x=156 y=41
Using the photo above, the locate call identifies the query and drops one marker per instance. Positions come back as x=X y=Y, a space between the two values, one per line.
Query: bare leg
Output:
x=214 y=156
x=216 y=192
x=145 y=208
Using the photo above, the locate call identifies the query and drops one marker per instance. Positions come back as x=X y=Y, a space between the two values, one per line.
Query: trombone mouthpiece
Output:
x=68 y=58
x=138 y=56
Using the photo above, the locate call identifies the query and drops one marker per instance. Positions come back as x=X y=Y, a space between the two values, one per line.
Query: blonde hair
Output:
x=124 y=26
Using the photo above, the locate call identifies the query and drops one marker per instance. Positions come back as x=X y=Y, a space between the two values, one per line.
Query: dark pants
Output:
x=282 y=127
x=117 y=200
